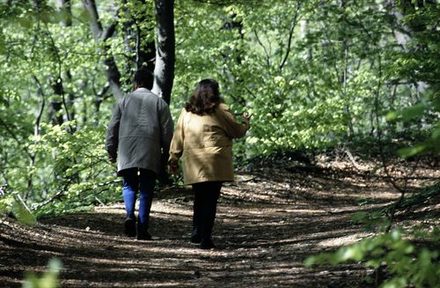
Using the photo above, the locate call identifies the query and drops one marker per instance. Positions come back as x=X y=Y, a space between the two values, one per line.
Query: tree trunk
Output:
x=165 y=49
x=56 y=103
x=138 y=51
x=101 y=35
x=66 y=22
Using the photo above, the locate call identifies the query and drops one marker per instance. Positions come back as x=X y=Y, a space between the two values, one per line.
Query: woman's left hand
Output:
x=173 y=167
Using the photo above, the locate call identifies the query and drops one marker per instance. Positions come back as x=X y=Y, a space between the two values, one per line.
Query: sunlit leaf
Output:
x=22 y=212
x=412 y=151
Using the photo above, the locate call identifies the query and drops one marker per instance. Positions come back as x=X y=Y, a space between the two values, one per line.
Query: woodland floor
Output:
x=268 y=222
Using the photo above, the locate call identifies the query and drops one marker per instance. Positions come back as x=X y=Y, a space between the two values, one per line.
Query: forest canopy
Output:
x=315 y=75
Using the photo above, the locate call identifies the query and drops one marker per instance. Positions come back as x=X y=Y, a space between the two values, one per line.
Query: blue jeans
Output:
x=141 y=180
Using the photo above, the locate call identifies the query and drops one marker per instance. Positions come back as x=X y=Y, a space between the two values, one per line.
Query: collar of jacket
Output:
x=141 y=89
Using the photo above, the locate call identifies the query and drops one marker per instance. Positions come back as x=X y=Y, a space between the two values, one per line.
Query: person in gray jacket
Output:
x=139 y=132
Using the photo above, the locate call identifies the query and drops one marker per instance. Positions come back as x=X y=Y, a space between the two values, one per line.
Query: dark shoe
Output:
x=196 y=239
x=142 y=233
x=207 y=244
x=130 y=227
x=144 y=236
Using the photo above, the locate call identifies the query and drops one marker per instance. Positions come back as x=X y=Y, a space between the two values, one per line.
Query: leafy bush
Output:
x=69 y=171
x=406 y=263
x=14 y=204
x=81 y=174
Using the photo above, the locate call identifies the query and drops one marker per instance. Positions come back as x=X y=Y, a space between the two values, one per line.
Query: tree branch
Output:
x=43 y=104
x=264 y=48
x=289 y=42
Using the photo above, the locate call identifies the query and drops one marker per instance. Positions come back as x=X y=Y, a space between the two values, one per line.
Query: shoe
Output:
x=207 y=244
x=144 y=235
x=196 y=239
x=142 y=232
x=130 y=227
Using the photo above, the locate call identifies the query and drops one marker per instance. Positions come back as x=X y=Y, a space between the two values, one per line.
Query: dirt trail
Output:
x=268 y=222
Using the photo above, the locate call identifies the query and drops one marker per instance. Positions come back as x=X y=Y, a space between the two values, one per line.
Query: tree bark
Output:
x=165 y=49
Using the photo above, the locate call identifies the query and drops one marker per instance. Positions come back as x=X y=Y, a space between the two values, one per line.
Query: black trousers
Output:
x=206 y=195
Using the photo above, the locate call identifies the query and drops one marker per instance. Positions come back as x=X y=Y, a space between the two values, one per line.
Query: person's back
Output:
x=203 y=138
x=207 y=141
x=144 y=128
x=138 y=134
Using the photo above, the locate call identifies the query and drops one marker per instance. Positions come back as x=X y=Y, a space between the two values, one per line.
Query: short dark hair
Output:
x=144 y=78
x=205 y=98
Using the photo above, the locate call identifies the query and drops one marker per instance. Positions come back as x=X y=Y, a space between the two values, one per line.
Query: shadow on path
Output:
x=265 y=228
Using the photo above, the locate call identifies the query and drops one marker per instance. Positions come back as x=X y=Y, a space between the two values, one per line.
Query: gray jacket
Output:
x=140 y=127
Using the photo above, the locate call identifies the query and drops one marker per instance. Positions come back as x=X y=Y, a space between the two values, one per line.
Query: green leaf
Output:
x=22 y=212
x=310 y=261
x=413 y=112
x=436 y=134
x=392 y=115
x=407 y=114
x=412 y=151
x=48 y=280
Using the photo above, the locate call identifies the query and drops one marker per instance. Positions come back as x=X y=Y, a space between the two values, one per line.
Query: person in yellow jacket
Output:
x=203 y=139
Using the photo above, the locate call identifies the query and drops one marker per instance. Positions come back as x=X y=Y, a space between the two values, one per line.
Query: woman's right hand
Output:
x=246 y=118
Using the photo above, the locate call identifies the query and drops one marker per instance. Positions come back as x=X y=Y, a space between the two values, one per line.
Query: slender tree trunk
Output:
x=101 y=35
x=55 y=104
x=138 y=51
x=129 y=27
x=165 y=49
x=66 y=22
x=344 y=77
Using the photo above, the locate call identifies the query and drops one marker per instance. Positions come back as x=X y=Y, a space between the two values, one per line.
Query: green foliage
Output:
x=313 y=74
x=418 y=65
x=372 y=221
x=321 y=88
x=22 y=212
x=14 y=204
x=48 y=279
x=81 y=172
x=6 y=203
x=406 y=263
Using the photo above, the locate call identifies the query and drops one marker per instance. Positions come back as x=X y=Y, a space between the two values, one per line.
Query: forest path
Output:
x=268 y=222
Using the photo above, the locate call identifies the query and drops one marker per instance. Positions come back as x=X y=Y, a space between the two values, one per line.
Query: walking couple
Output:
x=141 y=132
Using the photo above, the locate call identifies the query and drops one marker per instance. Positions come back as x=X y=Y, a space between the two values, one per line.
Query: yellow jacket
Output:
x=205 y=144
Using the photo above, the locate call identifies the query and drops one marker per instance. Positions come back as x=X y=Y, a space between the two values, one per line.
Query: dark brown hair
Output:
x=205 y=98
x=144 y=78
